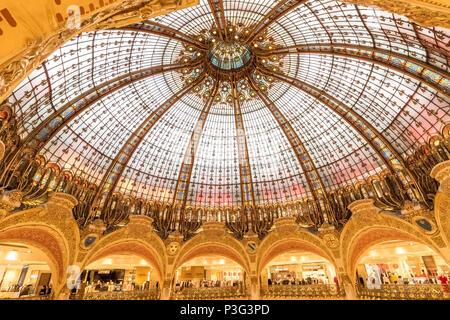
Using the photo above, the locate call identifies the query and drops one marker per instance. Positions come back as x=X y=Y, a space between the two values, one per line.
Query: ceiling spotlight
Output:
x=11 y=256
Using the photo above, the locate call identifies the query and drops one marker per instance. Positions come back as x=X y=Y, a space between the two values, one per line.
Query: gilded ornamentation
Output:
x=329 y=235
x=419 y=11
x=38 y=49
x=441 y=173
x=9 y=200
x=251 y=247
x=172 y=248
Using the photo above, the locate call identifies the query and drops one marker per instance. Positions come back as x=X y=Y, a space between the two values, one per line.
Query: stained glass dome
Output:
x=292 y=100
x=229 y=55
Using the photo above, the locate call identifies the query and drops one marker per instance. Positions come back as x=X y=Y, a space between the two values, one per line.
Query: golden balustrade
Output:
x=152 y=294
x=307 y=292
x=404 y=292
x=33 y=297
x=213 y=293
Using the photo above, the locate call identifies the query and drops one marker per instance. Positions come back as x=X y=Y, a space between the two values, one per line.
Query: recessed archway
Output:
x=131 y=248
x=120 y=272
x=291 y=245
x=25 y=271
x=373 y=236
x=298 y=267
x=43 y=239
x=399 y=262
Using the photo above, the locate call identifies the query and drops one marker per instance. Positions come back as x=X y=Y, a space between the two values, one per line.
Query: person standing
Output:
x=443 y=279
x=394 y=278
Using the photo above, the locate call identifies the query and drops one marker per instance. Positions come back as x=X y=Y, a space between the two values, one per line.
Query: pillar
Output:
x=60 y=206
x=345 y=280
x=166 y=287
x=255 y=288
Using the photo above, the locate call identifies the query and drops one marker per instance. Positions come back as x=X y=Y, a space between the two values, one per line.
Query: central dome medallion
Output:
x=229 y=61
x=229 y=56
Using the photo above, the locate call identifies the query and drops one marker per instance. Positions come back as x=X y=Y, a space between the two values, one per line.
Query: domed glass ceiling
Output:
x=290 y=100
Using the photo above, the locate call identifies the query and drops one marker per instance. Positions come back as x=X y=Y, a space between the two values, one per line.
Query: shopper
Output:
x=43 y=291
x=443 y=279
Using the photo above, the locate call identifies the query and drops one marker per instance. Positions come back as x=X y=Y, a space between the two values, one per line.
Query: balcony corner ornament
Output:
x=286 y=225
x=363 y=209
x=60 y=205
x=441 y=172
x=213 y=229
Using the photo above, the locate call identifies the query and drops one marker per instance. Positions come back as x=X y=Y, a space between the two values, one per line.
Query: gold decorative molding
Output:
x=2 y=150
x=441 y=173
x=140 y=222
x=9 y=200
x=213 y=228
x=363 y=208
x=31 y=30
x=427 y=13
x=329 y=235
x=285 y=225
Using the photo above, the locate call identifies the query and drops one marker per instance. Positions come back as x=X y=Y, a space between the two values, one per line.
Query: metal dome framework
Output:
x=332 y=97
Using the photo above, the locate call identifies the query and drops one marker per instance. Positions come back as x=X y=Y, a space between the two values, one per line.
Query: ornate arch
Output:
x=137 y=238
x=276 y=243
x=442 y=200
x=128 y=246
x=224 y=246
x=47 y=230
x=45 y=239
x=360 y=234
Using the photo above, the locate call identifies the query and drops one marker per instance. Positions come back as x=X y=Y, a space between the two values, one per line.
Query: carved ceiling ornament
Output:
x=173 y=248
x=330 y=235
x=423 y=12
x=33 y=53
